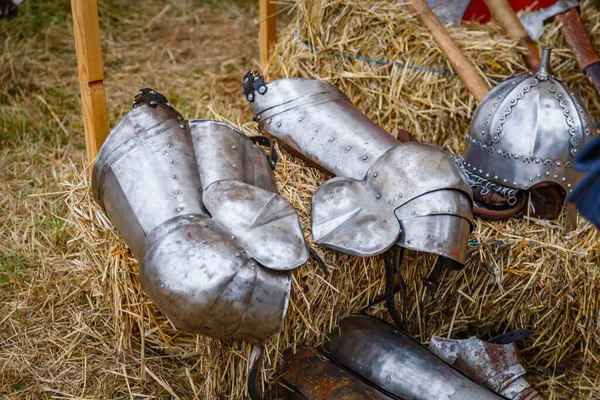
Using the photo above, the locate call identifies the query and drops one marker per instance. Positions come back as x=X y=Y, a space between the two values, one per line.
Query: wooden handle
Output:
x=91 y=74
x=465 y=70
x=578 y=40
x=268 y=30
x=504 y=14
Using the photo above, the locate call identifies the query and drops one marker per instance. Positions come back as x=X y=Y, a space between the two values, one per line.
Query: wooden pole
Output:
x=268 y=29
x=91 y=75
x=461 y=65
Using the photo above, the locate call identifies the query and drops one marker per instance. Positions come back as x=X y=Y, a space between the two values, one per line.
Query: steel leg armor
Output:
x=385 y=193
x=196 y=203
x=497 y=366
x=368 y=352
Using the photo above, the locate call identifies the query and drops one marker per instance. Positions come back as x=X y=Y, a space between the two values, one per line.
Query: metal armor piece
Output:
x=217 y=261
x=239 y=192
x=497 y=366
x=386 y=192
x=397 y=364
x=308 y=374
x=525 y=135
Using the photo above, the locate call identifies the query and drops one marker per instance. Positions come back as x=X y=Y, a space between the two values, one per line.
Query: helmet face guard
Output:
x=197 y=205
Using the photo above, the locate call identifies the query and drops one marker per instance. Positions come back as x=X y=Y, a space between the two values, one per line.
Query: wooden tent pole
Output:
x=91 y=75
x=268 y=29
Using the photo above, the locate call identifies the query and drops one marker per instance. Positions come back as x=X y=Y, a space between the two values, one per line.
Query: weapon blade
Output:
x=449 y=12
x=534 y=21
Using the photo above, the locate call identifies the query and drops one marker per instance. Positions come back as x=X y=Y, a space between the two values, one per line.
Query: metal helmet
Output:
x=525 y=135
x=215 y=248
x=386 y=192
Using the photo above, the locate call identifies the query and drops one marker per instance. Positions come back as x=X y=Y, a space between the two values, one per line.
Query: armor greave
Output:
x=215 y=247
x=386 y=192
x=497 y=366
x=395 y=362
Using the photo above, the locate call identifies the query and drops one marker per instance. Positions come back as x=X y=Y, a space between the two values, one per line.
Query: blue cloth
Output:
x=586 y=194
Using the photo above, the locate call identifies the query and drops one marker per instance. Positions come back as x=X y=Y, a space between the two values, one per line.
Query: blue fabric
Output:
x=586 y=194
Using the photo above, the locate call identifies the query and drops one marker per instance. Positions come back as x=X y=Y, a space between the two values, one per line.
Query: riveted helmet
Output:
x=524 y=136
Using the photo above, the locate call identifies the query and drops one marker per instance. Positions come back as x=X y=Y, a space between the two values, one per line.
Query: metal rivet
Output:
x=364 y=158
x=555 y=176
x=537 y=161
x=495 y=176
x=547 y=173
x=569 y=185
x=563 y=179
x=171 y=161
x=177 y=192
x=258 y=117
x=233 y=146
x=514 y=183
x=481 y=171
x=269 y=120
x=468 y=165
x=574 y=151
x=237 y=254
x=153 y=103
x=539 y=176
x=504 y=180
x=378 y=196
x=262 y=89
x=487 y=175
x=278 y=124
x=174 y=176
x=530 y=179
x=250 y=97
x=179 y=118
x=375 y=174
x=399 y=196
x=162 y=285
x=331 y=139
x=182 y=126
x=245 y=79
x=524 y=186
x=300 y=119
x=234 y=166
x=413 y=213
x=178 y=209
x=316 y=129
x=348 y=148
x=232 y=237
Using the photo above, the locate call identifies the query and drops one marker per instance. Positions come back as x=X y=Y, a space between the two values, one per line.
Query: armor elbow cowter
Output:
x=196 y=202
x=385 y=193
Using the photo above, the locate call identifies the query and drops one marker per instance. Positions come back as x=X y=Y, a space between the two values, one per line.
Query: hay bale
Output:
x=537 y=279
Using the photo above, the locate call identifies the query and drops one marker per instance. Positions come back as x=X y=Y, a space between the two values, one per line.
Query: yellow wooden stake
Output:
x=91 y=75
x=268 y=30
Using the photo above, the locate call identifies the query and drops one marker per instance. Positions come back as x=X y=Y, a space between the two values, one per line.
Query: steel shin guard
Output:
x=385 y=193
x=397 y=364
x=308 y=374
x=215 y=247
x=497 y=366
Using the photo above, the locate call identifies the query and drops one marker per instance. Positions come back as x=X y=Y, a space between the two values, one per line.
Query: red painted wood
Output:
x=478 y=11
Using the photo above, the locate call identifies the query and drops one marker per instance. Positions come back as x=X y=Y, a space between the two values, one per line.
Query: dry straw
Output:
x=539 y=279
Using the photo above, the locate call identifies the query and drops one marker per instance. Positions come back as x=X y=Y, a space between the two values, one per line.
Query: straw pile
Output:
x=539 y=279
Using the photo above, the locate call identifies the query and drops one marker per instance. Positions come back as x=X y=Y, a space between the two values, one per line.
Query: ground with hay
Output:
x=74 y=322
